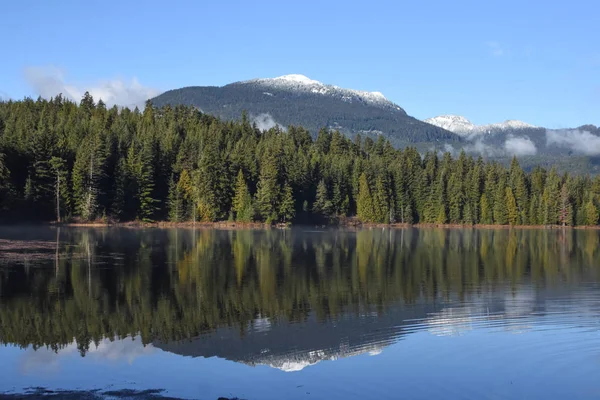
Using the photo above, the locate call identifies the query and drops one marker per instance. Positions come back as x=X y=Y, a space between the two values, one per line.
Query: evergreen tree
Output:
x=87 y=171
x=268 y=190
x=566 y=208
x=322 y=204
x=365 y=208
x=500 y=206
x=486 y=211
x=380 y=202
x=175 y=199
x=455 y=198
x=242 y=200
x=286 y=209
x=591 y=213
x=59 y=166
x=188 y=195
x=534 y=211
x=511 y=207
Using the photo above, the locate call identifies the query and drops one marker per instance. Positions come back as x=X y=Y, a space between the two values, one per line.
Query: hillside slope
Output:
x=298 y=100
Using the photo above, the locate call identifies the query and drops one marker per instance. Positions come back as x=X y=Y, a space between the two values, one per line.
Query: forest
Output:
x=63 y=161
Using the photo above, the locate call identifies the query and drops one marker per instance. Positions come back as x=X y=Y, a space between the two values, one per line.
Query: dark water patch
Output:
x=42 y=393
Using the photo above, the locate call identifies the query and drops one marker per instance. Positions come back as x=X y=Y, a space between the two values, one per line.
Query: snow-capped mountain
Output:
x=301 y=83
x=462 y=126
x=298 y=100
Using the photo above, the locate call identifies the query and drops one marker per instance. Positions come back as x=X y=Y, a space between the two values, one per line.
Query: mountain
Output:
x=462 y=126
x=299 y=100
x=570 y=149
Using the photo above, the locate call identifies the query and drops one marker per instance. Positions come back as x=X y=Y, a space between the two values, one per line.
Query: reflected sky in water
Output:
x=414 y=313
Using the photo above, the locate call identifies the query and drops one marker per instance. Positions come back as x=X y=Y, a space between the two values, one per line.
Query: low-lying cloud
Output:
x=582 y=142
x=520 y=146
x=513 y=146
x=50 y=81
x=265 y=121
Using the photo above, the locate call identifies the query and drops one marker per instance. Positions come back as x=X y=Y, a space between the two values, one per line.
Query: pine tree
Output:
x=365 y=209
x=438 y=203
x=566 y=208
x=511 y=207
x=242 y=201
x=380 y=202
x=486 y=211
x=59 y=166
x=267 y=193
x=591 y=213
x=518 y=185
x=145 y=178
x=87 y=172
x=551 y=198
x=286 y=209
x=534 y=209
x=441 y=217
x=212 y=183
x=455 y=198
x=189 y=196
x=322 y=204
x=175 y=199
x=500 y=207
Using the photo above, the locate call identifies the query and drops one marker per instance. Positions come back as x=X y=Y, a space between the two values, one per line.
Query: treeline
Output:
x=60 y=160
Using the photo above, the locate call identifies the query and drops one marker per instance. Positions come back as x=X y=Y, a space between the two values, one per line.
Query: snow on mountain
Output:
x=299 y=361
x=462 y=126
x=453 y=123
x=301 y=83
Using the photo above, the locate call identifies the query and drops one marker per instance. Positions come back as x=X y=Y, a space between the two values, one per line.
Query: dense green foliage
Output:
x=62 y=160
x=177 y=284
x=310 y=110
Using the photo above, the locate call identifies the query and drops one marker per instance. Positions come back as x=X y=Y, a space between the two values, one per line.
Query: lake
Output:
x=416 y=313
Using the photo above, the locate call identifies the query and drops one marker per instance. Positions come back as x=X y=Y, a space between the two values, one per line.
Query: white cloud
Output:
x=495 y=48
x=582 y=142
x=265 y=121
x=449 y=148
x=125 y=349
x=513 y=145
x=50 y=81
x=519 y=146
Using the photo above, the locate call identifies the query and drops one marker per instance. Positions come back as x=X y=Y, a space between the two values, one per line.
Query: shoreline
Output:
x=227 y=225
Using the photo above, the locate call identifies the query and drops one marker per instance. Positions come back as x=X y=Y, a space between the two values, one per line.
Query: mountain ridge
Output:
x=462 y=126
x=298 y=100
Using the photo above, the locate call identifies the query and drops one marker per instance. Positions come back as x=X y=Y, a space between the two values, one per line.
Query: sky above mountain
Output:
x=534 y=61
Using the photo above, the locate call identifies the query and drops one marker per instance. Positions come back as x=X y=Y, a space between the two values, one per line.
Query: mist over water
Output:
x=337 y=314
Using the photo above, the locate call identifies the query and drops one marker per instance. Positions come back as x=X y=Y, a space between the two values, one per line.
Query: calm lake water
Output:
x=301 y=313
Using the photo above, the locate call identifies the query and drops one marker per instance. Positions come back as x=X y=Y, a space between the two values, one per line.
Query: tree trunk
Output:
x=57 y=197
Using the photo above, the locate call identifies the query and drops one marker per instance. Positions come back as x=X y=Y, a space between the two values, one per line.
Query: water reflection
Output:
x=168 y=285
x=286 y=299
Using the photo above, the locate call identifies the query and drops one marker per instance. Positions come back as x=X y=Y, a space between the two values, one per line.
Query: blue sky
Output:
x=537 y=61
